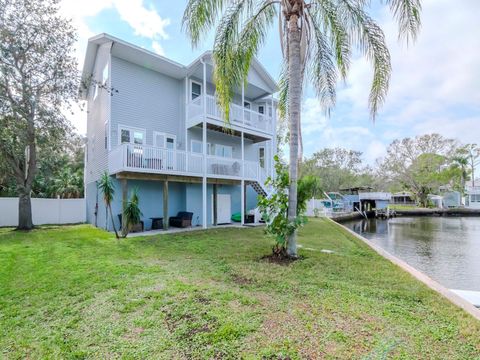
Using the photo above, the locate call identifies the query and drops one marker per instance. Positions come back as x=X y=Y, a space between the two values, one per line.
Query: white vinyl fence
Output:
x=44 y=211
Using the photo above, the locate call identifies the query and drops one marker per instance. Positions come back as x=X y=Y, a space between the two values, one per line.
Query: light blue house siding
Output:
x=148 y=100
x=182 y=197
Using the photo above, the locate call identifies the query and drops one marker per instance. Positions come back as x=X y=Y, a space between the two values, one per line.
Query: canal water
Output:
x=445 y=248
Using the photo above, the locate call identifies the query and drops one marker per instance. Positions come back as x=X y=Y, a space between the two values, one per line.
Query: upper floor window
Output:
x=196 y=146
x=196 y=90
x=163 y=140
x=261 y=109
x=132 y=135
x=247 y=105
x=221 y=150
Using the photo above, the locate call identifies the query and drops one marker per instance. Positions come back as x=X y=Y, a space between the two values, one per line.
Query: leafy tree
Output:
x=106 y=186
x=60 y=171
x=428 y=172
x=396 y=167
x=336 y=168
x=468 y=156
x=317 y=37
x=38 y=79
x=131 y=213
x=274 y=209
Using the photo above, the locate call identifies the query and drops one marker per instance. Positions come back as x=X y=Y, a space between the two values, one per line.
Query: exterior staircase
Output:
x=259 y=188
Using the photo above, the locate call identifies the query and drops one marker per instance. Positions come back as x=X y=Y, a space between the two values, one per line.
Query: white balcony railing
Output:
x=251 y=119
x=151 y=159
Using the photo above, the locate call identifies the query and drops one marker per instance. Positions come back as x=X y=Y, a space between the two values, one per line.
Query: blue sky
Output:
x=435 y=84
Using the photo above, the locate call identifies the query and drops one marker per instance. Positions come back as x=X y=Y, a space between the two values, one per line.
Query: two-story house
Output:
x=160 y=130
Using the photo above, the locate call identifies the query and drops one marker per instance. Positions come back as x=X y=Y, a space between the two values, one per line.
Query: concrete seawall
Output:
x=439 y=212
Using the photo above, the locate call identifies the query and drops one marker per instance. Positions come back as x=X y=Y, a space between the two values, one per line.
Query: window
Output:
x=247 y=105
x=261 y=109
x=196 y=146
x=106 y=135
x=131 y=135
x=221 y=150
x=163 y=140
x=196 y=90
x=261 y=156
x=270 y=111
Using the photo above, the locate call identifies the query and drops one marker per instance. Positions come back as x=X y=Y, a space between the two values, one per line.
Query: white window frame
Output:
x=191 y=89
x=264 y=157
x=263 y=107
x=131 y=129
x=165 y=136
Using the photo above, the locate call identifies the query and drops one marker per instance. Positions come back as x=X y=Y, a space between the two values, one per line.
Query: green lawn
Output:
x=76 y=292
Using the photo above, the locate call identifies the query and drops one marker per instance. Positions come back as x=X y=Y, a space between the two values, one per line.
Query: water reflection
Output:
x=445 y=248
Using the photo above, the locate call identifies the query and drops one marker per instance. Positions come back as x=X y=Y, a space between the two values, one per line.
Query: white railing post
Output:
x=186 y=120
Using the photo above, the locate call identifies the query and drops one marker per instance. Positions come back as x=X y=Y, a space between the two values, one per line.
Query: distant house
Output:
x=472 y=197
x=362 y=198
x=403 y=198
x=161 y=131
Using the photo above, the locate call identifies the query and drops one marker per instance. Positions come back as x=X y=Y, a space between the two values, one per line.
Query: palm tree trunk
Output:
x=113 y=221
x=294 y=107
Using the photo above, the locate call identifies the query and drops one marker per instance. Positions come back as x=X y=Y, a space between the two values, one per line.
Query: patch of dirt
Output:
x=241 y=280
x=280 y=259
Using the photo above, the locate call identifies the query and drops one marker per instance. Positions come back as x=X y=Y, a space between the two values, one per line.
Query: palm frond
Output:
x=369 y=37
x=236 y=44
x=407 y=14
x=334 y=29
x=322 y=70
x=200 y=16
x=283 y=92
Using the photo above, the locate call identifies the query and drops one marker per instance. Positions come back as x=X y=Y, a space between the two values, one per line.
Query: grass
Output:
x=75 y=292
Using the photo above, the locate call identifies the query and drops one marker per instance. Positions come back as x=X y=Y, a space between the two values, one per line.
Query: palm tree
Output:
x=106 y=186
x=316 y=37
x=131 y=212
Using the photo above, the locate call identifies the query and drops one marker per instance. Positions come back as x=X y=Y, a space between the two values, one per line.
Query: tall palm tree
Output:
x=316 y=36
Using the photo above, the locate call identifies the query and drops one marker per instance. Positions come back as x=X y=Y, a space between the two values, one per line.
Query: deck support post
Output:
x=204 y=146
x=242 y=191
x=165 y=205
x=215 y=202
x=124 y=204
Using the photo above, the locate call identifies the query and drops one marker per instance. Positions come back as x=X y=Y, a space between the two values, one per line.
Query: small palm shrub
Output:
x=131 y=213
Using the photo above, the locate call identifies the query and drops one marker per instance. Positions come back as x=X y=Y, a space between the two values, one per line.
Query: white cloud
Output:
x=158 y=48
x=145 y=22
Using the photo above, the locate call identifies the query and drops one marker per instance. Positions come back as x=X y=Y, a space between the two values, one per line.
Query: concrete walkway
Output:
x=174 y=230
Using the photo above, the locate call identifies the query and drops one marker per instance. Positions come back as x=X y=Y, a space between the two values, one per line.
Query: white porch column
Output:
x=186 y=121
x=242 y=192
x=204 y=146
x=273 y=143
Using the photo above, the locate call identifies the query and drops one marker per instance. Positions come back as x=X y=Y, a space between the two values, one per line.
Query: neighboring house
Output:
x=403 y=198
x=160 y=130
x=472 y=197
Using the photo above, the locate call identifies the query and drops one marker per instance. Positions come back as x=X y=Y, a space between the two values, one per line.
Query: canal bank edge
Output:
x=432 y=284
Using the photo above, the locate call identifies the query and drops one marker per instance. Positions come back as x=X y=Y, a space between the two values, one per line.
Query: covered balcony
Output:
x=155 y=160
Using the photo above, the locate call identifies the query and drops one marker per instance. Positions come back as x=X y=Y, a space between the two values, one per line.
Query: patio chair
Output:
x=182 y=220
